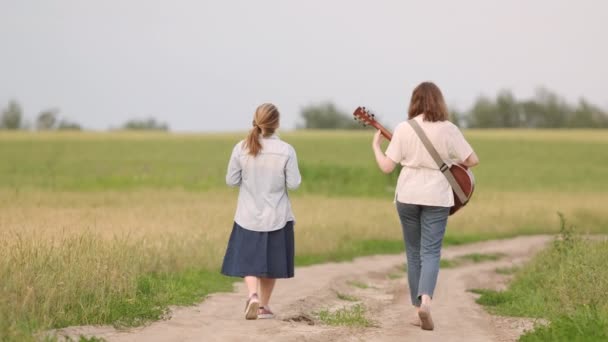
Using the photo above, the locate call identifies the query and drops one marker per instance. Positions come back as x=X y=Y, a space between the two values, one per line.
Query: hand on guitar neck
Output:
x=366 y=117
x=463 y=178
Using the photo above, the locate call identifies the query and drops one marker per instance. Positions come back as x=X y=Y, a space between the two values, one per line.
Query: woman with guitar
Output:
x=423 y=194
x=261 y=246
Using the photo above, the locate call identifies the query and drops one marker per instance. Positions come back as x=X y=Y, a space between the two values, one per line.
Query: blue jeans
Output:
x=423 y=230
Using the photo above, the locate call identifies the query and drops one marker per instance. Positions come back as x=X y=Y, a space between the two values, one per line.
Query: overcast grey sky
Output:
x=205 y=65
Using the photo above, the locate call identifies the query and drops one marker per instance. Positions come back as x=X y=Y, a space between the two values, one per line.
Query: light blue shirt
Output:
x=263 y=204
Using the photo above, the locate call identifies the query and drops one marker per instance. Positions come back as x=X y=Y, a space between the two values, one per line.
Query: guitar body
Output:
x=464 y=177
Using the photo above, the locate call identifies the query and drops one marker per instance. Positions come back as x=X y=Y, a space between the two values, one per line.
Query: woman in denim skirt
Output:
x=261 y=245
x=423 y=195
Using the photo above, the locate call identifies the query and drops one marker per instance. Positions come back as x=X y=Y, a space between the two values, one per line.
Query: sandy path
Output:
x=457 y=316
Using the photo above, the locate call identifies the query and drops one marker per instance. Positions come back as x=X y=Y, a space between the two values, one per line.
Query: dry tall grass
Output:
x=68 y=256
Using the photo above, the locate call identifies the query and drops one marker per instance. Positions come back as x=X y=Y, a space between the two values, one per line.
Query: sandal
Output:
x=251 y=307
x=265 y=313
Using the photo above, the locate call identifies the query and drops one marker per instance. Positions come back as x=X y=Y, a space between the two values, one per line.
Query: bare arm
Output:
x=472 y=160
x=384 y=163
x=460 y=150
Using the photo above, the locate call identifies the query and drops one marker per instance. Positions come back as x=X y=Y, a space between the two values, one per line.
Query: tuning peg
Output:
x=373 y=115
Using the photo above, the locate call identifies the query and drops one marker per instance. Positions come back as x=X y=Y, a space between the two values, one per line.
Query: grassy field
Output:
x=332 y=163
x=113 y=227
x=566 y=285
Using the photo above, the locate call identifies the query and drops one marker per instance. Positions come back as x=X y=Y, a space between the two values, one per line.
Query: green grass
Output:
x=153 y=295
x=395 y=275
x=346 y=297
x=482 y=257
x=68 y=179
x=399 y=272
x=448 y=263
x=584 y=324
x=134 y=297
x=81 y=339
x=516 y=160
x=127 y=161
x=84 y=280
x=566 y=284
x=358 y=284
x=349 y=249
x=477 y=291
x=155 y=292
x=507 y=270
x=468 y=258
x=492 y=298
x=353 y=316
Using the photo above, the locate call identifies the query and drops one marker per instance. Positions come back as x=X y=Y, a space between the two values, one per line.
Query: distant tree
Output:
x=483 y=114
x=545 y=110
x=12 y=116
x=47 y=120
x=326 y=116
x=553 y=110
x=507 y=109
x=65 y=125
x=588 y=115
x=149 y=124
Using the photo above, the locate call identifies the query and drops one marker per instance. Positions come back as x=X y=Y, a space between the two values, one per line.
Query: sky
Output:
x=204 y=66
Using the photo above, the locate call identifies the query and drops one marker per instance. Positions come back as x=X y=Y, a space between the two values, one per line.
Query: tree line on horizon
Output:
x=12 y=118
x=544 y=110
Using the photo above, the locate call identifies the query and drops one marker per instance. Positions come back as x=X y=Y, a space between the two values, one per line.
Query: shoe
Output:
x=265 y=313
x=426 y=321
x=251 y=307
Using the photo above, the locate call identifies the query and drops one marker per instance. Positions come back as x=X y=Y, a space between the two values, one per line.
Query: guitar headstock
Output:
x=365 y=116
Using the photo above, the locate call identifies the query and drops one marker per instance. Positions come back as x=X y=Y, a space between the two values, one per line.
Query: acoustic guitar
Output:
x=464 y=177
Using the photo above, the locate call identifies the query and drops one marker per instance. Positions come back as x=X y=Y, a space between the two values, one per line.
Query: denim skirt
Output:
x=260 y=254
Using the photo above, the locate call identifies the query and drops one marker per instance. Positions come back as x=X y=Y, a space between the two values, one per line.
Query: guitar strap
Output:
x=443 y=167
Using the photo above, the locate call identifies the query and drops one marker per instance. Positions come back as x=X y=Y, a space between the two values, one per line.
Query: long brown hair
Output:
x=265 y=122
x=427 y=99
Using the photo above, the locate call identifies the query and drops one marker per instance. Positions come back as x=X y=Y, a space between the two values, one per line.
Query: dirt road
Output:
x=377 y=282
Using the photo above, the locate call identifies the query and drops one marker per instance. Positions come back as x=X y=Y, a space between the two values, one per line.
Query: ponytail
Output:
x=265 y=122
x=252 y=142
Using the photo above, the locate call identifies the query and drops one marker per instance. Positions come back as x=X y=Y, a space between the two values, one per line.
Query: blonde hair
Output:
x=265 y=122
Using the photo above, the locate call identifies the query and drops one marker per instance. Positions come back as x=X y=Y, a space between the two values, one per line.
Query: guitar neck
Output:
x=385 y=132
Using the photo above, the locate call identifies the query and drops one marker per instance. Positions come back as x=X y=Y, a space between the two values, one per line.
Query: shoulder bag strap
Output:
x=443 y=167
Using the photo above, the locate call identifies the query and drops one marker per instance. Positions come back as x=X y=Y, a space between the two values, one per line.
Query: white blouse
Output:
x=263 y=204
x=420 y=181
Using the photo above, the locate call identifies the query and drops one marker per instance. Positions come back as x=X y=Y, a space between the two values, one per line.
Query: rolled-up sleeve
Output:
x=292 y=172
x=459 y=148
x=394 y=150
x=233 y=175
